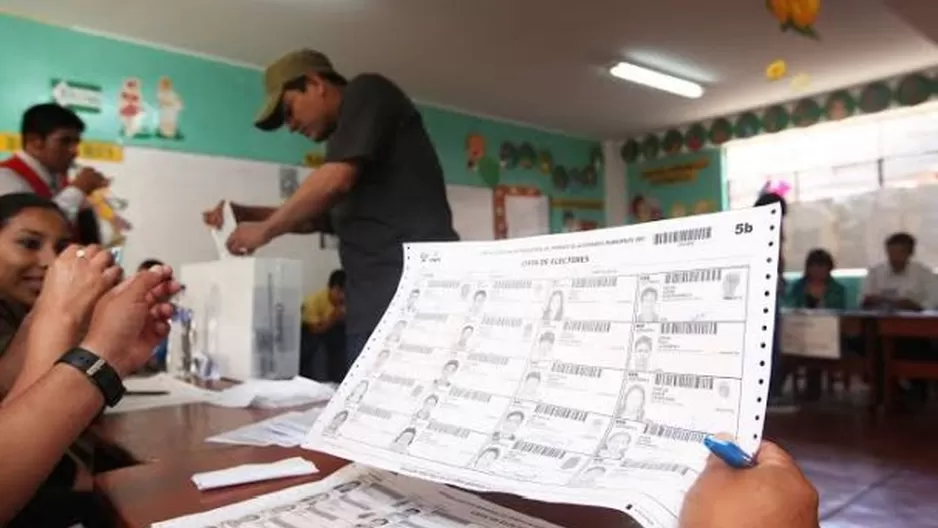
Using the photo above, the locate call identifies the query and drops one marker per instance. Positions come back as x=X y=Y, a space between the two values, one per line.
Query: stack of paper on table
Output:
x=272 y=394
x=285 y=430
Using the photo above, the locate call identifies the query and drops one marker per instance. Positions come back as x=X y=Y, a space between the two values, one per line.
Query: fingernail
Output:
x=156 y=268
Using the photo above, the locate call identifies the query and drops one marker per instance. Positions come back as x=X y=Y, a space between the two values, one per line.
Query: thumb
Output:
x=143 y=281
x=772 y=455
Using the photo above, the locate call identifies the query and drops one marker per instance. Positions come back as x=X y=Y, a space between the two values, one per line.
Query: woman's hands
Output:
x=131 y=319
x=75 y=282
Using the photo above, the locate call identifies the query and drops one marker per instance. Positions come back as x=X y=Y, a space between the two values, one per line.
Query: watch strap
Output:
x=99 y=371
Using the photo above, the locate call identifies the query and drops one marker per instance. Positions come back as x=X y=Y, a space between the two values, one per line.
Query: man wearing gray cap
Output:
x=381 y=184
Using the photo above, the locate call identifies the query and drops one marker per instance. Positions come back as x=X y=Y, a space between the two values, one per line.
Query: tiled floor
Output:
x=871 y=471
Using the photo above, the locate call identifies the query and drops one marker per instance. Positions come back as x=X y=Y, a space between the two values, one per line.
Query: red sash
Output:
x=32 y=178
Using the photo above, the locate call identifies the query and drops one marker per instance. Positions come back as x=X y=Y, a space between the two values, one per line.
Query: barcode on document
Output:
x=397 y=380
x=506 y=322
x=684 y=235
x=561 y=412
x=699 y=275
x=595 y=282
x=587 y=371
x=444 y=284
x=447 y=429
x=596 y=327
x=416 y=349
x=694 y=328
x=656 y=466
x=684 y=381
x=494 y=359
x=511 y=284
x=466 y=394
x=280 y=523
x=377 y=412
x=538 y=449
x=674 y=433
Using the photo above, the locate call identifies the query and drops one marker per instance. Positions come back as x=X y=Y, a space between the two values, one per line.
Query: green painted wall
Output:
x=668 y=194
x=220 y=101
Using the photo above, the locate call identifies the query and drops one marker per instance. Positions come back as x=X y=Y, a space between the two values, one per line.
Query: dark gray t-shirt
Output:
x=400 y=194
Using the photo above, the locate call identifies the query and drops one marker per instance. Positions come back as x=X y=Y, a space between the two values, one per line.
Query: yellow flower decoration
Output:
x=776 y=70
x=799 y=15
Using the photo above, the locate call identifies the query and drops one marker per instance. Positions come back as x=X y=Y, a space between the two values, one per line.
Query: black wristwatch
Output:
x=102 y=374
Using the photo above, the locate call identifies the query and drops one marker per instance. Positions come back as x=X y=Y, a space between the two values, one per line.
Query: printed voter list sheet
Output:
x=580 y=368
x=360 y=497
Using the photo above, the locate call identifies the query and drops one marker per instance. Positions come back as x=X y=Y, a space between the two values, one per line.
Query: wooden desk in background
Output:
x=891 y=328
x=170 y=442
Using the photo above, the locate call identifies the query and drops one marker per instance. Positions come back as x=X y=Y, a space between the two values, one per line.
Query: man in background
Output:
x=51 y=135
x=381 y=184
x=324 y=329
x=900 y=283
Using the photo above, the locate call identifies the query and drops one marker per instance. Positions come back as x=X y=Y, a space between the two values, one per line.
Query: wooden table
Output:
x=171 y=444
x=895 y=327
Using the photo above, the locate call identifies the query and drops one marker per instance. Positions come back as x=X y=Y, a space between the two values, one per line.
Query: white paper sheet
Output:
x=527 y=215
x=580 y=368
x=248 y=473
x=285 y=430
x=177 y=392
x=220 y=236
x=811 y=334
x=272 y=394
x=360 y=497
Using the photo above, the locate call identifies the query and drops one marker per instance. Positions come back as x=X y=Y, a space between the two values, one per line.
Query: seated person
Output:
x=158 y=362
x=900 y=283
x=324 y=328
x=50 y=403
x=817 y=289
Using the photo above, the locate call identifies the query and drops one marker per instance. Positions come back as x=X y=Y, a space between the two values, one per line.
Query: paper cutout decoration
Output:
x=673 y=141
x=642 y=209
x=875 y=97
x=527 y=156
x=596 y=158
x=747 y=125
x=475 y=150
x=508 y=155
x=132 y=110
x=796 y=15
x=800 y=82
x=590 y=176
x=650 y=147
x=775 y=119
x=913 y=89
x=776 y=70
x=577 y=176
x=704 y=207
x=721 y=131
x=560 y=178
x=490 y=171
x=169 y=106
x=107 y=208
x=806 y=113
x=545 y=162
x=678 y=210
x=629 y=151
x=695 y=138
x=839 y=105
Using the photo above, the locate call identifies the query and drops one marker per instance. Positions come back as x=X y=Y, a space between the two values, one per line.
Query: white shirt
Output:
x=916 y=283
x=70 y=199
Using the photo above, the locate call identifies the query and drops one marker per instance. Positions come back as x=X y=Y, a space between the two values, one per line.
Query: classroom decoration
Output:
x=910 y=89
x=596 y=158
x=490 y=171
x=87 y=150
x=673 y=141
x=78 y=96
x=776 y=70
x=508 y=155
x=560 y=178
x=545 y=162
x=527 y=156
x=107 y=208
x=475 y=149
x=800 y=82
x=796 y=15
x=169 y=106
x=132 y=110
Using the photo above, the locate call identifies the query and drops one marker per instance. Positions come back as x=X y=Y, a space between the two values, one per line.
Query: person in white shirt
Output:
x=900 y=283
x=51 y=135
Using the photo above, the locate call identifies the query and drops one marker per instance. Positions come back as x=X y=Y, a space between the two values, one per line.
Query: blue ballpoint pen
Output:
x=729 y=452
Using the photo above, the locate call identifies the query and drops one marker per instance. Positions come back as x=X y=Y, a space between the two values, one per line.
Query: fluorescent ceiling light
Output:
x=658 y=81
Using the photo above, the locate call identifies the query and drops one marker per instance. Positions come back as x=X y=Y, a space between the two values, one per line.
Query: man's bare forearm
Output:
x=260 y=213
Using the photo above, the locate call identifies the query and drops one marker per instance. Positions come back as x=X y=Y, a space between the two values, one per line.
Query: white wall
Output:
x=617 y=209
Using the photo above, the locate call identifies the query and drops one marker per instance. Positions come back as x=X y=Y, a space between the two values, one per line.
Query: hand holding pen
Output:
x=765 y=491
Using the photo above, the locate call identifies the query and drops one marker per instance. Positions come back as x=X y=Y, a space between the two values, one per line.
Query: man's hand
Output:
x=248 y=237
x=89 y=180
x=214 y=217
x=772 y=494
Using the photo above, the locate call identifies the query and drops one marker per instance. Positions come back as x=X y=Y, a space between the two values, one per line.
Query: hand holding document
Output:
x=248 y=473
x=583 y=368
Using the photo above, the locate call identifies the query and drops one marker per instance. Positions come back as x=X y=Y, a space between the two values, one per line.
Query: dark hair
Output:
x=148 y=263
x=819 y=257
x=452 y=362
x=15 y=203
x=337 y=279
x=546 y=336
x=644 y=340
x=533 y=375
x=902 y=239
x=651 y=291
x=519 y=414
x=772 y=198
x=44 y=119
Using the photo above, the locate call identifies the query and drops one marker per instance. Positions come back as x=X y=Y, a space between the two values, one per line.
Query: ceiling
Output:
x=539 y=62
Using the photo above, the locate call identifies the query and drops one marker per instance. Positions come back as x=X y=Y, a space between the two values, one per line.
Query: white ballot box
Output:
x=245 y=316
x=811 y=334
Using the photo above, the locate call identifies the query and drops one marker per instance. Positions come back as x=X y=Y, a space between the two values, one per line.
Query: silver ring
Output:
x=80 y=253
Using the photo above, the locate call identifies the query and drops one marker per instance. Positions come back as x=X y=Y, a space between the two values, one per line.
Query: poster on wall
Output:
x=675 y=186
x=77 y=96
x=141 y=120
